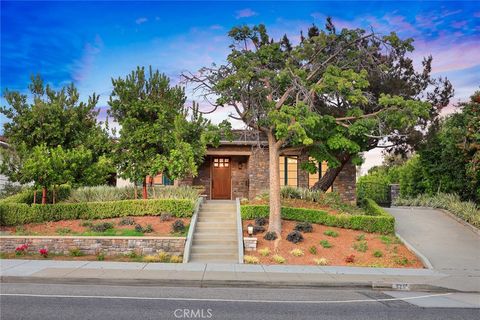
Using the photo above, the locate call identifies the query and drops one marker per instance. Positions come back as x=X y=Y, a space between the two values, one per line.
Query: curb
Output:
x=229 y=284
x=424 y=259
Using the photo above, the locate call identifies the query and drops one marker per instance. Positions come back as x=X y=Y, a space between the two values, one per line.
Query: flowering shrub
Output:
x=43 y=252
x=21 y=250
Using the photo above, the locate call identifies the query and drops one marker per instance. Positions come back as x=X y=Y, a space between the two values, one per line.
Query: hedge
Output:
x=17 y=213
x=376 y=219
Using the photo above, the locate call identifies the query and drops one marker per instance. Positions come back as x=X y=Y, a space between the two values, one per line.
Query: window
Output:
x=160 y=179
x=314 y=177
x=221 y=162
x=289 y=171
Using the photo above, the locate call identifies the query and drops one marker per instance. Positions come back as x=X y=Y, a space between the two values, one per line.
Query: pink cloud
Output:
x=245 y=13
x=459 y=24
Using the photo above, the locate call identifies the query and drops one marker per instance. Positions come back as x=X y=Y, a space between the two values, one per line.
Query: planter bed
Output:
x=394 y=253
x=80 y=227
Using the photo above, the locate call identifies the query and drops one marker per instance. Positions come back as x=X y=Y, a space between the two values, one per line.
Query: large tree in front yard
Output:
x=157 y=135
x=276 y=88
x=49 y=119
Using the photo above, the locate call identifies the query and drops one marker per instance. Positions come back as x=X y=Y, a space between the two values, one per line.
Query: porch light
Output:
x=250 y=229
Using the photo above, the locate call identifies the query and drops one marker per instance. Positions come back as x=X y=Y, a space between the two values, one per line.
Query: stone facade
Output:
x=345 y=183
x=250 y=172
x=109 y=246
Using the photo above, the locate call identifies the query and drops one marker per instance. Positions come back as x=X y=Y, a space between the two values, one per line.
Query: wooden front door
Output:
x=221 y=178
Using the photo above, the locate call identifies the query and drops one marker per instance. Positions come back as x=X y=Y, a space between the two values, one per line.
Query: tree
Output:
x=51 y=118
x=276 y=91
x=155 y=135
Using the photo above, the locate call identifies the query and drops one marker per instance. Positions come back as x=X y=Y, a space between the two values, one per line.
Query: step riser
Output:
x=232 y=243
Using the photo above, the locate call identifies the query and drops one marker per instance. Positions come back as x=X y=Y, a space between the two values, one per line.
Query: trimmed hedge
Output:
x=16 y=213
x=376 y=219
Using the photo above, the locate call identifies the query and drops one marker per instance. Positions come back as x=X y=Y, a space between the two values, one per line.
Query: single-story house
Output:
x=239 y=168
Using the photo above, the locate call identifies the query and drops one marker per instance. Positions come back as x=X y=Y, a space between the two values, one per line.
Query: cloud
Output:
x=245 y=13
x=216 y=27
x=141 y=20
x=84 y=65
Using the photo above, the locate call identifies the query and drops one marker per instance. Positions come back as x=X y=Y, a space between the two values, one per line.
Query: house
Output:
x=239 y=168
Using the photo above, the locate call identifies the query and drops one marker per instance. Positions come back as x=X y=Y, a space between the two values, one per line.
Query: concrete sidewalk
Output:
x=450 y=246
x=199 y=274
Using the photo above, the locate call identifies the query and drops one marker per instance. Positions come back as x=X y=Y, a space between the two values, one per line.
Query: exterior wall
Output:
x=240 y=181
x=109 y=246
x=259 y=180
x=345 y=184
x=203 y=178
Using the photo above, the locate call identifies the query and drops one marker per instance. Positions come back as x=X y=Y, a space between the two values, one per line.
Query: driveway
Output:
x=451 y=247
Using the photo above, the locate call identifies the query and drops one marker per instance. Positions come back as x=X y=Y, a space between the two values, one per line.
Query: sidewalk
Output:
x=239 y=275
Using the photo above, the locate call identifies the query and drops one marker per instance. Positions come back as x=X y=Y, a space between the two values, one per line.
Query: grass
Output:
x=388 y=240
x=264 y=252
x=360 y=246
x=325 y=244
x=321 y=261
x=279 y=259
x=251 y=260
x=360 y=237
x=297 y=253
x=331 y=233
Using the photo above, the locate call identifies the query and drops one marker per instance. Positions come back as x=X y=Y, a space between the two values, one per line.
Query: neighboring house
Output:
x=239 y=168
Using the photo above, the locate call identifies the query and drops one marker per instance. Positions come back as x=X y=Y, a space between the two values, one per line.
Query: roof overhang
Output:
x=213 y=152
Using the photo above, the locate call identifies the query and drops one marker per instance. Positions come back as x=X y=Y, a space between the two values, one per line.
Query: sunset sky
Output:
x=88 y=43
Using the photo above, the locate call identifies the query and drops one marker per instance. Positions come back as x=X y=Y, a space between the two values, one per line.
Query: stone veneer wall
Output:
x=345 y=184
x=258 y=172
x=239 y=167
x=94 y=245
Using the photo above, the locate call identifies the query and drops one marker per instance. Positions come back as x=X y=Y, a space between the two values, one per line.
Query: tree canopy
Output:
x=52 y=128
x=318 y=94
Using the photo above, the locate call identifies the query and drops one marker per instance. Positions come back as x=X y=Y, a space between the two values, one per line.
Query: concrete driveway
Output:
x=451 y=247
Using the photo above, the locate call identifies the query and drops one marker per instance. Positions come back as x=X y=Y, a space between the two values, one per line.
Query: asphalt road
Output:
x=44 y=301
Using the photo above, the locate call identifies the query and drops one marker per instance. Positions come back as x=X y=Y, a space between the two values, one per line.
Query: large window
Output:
x=314 y=177
x=289 y=171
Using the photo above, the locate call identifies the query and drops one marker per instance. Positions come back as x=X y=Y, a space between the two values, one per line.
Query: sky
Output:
x=88 y=43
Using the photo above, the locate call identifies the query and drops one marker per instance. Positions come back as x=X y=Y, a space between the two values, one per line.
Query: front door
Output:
x=221 y=178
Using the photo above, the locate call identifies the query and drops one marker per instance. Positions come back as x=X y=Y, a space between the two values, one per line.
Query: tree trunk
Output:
x=35 y=197
x=326 y=181
x=153 y=188
x=144 y=189
x=275 y=220
x=135 y=193
x=44 y=195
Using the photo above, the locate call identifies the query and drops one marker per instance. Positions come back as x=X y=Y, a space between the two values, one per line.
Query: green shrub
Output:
x=360 y=246
x=15 y=214
x=127 y=221
x=101 y=227
x=374 y=186
x=178 y=226
x=331 y=233
x=377 y=219
x=465 y=210
x=360 y=237
x=325 y=244
x=75 y=252
x=312 y=250
x=304 y=227
x=378 y=254
x=63 y=231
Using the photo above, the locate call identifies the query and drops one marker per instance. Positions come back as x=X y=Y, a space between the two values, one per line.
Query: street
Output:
x=48 y=301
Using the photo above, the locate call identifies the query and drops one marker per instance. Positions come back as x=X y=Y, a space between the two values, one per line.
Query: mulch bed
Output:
x=160 y=228
x=394 y=254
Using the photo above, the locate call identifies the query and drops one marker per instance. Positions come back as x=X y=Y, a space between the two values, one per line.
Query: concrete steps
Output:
x=215 y=235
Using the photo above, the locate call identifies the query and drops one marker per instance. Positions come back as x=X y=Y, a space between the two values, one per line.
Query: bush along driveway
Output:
x=450 y=246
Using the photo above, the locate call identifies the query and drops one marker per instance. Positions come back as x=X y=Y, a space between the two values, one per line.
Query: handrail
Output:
x=239 y=231
x=193 y=223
